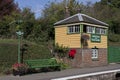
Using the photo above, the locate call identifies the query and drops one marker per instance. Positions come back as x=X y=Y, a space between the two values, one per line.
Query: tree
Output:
x=112 y=3
x=74 y=7
x=6 y=7
x=54 y=12
x=8 y=12
x=106 y=12
x=28 y=23
x=8 y=25
x=51 y=14
x=114 y=26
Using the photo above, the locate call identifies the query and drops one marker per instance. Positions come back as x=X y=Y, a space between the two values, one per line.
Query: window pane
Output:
x=103 y=31
x=74 y=29
x=94 y=53
x=77 y=28
x=90 y=29
x=98 y=30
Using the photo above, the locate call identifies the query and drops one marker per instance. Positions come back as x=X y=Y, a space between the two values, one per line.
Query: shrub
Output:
x=114 y=37
x=61 y=50
x=64 y=65
x=19 y=69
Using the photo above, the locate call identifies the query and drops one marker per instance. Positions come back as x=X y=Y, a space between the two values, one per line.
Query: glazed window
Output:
x=90 y=29
x=74 y=29
x=103 y=31
x=94 y=53
x=100 y=31
x=97 y=31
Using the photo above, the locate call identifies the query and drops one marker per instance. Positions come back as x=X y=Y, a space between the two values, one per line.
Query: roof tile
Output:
x=80 y=18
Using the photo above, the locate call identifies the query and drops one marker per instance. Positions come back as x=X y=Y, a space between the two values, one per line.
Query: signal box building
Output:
x=87 y=36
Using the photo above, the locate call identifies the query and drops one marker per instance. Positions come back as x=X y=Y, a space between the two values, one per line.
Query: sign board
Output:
x=95 y=38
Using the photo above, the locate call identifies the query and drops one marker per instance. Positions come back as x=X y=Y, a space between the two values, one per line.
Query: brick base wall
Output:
x=83 y=58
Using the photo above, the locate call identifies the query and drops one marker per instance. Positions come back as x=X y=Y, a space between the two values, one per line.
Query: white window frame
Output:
x=74 y=29
x=94 y=53
x=90 y=29
x=103 y=31
x=100 y=31
x=97 y=30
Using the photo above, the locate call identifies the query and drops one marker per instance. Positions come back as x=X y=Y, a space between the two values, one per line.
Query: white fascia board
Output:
x=65 y=19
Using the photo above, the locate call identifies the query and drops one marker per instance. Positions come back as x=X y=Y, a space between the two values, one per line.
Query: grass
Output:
x=8 y=52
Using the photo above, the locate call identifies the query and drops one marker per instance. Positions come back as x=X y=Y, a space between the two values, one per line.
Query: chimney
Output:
x=67 y=13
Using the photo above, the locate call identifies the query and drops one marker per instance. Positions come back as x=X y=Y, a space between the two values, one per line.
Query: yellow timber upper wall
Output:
x=74 y=40
x=68 y=40
x=101 y=44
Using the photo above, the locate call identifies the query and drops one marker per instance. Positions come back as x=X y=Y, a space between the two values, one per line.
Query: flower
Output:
x=72 y=53
x=17 y=66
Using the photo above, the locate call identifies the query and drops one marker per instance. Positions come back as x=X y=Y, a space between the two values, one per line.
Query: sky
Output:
x=38 y=5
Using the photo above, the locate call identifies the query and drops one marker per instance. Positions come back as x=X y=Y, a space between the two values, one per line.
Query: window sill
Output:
x=96 y=33
x=73 y=33
x=102 y=34
x=95 y=59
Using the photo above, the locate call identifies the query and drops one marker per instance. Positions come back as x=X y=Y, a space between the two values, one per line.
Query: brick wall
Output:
x=83 y=58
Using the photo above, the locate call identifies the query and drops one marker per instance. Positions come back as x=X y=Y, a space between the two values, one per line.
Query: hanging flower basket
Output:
x=85 y=37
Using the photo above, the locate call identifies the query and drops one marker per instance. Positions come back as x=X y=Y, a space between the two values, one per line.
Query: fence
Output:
x=113 y=54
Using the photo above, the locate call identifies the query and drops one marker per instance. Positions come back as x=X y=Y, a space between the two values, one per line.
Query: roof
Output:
x=80 y=18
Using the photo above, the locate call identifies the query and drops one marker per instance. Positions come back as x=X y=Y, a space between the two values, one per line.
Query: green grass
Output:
x=8 y=52
x=8 y=40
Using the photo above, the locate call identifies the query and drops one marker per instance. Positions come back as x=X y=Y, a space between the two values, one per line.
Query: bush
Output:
x=64 y=65
x=61 y=51
x=114 y=37
x=19 y=69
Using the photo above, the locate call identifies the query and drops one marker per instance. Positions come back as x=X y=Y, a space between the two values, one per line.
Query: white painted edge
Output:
x=86 y=75
x=65 y=19
x=95 y=25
